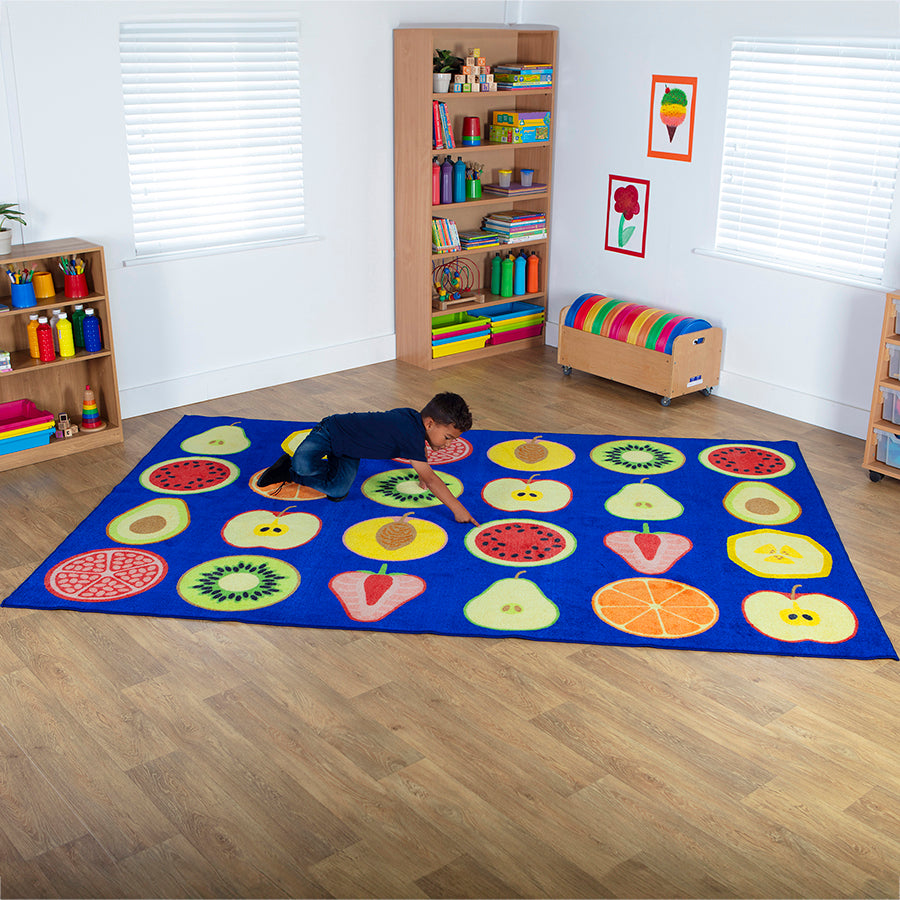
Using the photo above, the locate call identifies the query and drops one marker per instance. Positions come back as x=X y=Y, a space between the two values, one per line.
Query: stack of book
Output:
x=471 y=240
x=516 y=189
x=516 y=226
x=441 y=132
x=444 y=236
x=519 y=76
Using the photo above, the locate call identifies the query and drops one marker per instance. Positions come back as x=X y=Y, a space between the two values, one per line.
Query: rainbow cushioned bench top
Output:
x=633 y=323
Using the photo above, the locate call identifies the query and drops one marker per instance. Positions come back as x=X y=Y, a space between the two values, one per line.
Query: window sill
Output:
x=149 y=258
x=794 y=270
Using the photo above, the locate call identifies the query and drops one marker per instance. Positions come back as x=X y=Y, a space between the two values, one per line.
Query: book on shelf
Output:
x=515 y=189
x=519 y=78
x=524 y=68
x=473 y=240
x=444 y=235
x=441 y=132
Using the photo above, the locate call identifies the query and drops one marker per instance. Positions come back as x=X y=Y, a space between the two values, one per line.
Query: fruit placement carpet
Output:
x=695 y=544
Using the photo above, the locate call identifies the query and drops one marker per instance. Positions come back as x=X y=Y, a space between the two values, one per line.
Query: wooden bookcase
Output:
x=413 y=152
x=889 y=339
x=58 y=386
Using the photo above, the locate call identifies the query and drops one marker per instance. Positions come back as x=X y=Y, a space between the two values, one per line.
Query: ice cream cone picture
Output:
x=90 y=415
x=672 y=109
x=673 y=105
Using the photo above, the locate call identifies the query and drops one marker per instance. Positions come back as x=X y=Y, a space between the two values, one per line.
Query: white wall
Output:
x=210 y=326
x=798 y=346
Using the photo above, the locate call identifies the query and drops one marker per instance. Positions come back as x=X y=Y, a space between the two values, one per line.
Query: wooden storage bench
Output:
x=692 y=365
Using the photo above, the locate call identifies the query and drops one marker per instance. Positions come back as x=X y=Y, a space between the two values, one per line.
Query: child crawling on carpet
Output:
x=328 y=458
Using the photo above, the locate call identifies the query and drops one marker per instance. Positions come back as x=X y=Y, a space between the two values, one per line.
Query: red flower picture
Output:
x=626 y=218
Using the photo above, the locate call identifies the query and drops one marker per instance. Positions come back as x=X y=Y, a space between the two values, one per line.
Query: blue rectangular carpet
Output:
x=694 y=544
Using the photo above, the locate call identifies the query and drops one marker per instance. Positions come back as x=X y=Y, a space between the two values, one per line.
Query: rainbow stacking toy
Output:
x=90 y=415
x=645 y=347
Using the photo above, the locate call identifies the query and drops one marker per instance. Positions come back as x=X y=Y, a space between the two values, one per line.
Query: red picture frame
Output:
x=626 y=215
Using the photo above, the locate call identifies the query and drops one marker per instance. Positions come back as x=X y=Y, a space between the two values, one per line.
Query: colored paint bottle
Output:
x=54 y=318
x=447 y=181
x=45 y=340
x=506 y=277
x=495 y=274
x=459 y=181
x=531 y=273
x=519 y=275
x=435 y=182
x=91 y=329
x=64 y=336
x=77 y=321
x=33 y=347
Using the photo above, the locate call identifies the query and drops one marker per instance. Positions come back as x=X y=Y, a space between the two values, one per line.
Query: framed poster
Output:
x=626 y=215
x=672 y=104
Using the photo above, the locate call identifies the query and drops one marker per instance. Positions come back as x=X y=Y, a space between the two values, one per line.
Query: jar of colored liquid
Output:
x=45 y=340
x=64 y=336
x=91 y=329
x=33 y=348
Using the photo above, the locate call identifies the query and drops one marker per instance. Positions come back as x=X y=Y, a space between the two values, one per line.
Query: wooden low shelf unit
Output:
x=890 y=339
x=693 y=365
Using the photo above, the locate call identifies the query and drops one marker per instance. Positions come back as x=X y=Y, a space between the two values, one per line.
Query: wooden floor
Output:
x=176 y=758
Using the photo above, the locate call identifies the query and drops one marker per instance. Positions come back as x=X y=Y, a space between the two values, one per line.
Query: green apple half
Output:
x=516 y=494
x=275 y=531
x=800 y=617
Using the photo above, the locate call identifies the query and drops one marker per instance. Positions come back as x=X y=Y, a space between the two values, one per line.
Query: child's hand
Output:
x=464 y=516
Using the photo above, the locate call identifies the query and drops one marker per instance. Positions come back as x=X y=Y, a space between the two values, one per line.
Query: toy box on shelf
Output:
x=641 y=346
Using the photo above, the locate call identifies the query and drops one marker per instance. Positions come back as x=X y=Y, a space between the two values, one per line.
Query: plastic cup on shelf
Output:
x=43 y=285
x=504 y=176
x=76 y=286
x=525 y=176
x=23 y=295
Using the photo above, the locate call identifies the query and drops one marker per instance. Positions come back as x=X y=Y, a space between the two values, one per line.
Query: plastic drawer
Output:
x=891 y=406
x=887 y=449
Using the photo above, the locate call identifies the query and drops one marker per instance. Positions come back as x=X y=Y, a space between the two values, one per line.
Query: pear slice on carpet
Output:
x=512 y=604
x=221 y=439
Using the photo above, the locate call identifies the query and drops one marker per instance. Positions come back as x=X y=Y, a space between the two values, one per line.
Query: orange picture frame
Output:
x=673 y=101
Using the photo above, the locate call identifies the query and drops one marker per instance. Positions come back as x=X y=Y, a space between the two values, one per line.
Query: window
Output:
x=812 y=141
x=212 y=118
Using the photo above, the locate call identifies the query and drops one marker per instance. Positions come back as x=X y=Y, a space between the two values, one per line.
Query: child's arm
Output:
x=430 y=479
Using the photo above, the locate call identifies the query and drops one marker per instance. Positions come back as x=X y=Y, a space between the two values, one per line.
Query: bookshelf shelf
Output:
x=413 y=153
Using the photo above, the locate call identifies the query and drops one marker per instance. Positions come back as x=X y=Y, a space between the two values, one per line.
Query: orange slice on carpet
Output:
x=288 y=490
x=655 y=608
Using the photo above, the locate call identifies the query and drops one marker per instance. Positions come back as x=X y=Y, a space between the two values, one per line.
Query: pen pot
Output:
x=43 y=285
x=23 y=295
x=76 y=286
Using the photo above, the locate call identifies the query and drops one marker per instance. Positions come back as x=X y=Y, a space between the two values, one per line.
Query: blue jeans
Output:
x=315 y=465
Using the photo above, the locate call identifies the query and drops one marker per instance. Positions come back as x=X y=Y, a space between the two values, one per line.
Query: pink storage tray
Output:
x=21 y=414
x=517 y=334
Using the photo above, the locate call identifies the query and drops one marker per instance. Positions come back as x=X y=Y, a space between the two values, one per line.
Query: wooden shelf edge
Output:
x=112 y=434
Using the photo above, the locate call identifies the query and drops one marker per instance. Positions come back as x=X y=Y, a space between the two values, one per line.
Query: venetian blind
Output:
x=812 y=141
x=212 y=119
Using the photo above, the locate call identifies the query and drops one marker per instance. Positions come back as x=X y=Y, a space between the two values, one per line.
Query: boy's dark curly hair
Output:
x=449 y=409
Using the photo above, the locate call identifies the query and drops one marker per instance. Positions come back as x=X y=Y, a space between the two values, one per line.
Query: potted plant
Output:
x=8 y=211
x=445 y=65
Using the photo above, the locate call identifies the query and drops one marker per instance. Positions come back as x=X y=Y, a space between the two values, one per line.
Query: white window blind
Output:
x=212 y=117
x=812 y=141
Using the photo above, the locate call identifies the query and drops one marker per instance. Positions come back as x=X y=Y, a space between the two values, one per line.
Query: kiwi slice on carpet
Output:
x=647 y=457
x=400 y=487
x=238 y=583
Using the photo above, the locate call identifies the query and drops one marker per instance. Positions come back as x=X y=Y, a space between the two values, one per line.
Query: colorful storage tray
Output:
x=471 y=343
x=517 y=334
x=887 y=448
x=455 y=323
x=27 y=441
x=17 y=415
x=506 y=311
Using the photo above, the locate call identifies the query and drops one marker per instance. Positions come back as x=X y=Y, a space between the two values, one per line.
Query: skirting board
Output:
x=782 y=401
x=148 y=398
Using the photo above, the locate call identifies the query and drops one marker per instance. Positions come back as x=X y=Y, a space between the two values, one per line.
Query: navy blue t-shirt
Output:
x=378 y=435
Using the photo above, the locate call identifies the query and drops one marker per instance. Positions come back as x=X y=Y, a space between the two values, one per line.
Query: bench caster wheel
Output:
x=665 y=400
x=875 y=476
x=707 y=391
x=567 y=370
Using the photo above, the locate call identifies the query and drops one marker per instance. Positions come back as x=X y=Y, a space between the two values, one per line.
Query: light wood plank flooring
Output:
x=177 y=758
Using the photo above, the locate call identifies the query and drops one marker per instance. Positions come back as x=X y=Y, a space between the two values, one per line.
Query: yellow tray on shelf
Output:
x=475 y=343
